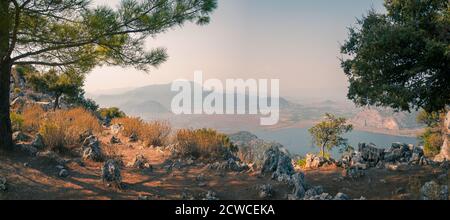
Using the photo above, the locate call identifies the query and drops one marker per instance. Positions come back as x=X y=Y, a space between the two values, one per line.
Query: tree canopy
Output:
x=327 y=134
x=401 y=59
x=74 y=35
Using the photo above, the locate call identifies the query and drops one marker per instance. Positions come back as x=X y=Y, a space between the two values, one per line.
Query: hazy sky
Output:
x=296 y=41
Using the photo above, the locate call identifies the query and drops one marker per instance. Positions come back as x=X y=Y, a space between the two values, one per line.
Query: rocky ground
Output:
x=151 y=173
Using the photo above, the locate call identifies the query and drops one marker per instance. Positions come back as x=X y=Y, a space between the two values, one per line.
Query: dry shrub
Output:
x=33 y=116
x=203 y=144
x=112 y=152
x=130 y=125
x=62 y=128
x=154 y=133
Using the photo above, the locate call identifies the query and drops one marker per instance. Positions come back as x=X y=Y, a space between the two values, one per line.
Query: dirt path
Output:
x=34 y=178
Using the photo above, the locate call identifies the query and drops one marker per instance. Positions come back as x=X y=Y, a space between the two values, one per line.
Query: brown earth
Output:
x=33 y=178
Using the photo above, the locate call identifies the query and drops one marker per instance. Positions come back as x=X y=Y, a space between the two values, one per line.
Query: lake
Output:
x=298 y=140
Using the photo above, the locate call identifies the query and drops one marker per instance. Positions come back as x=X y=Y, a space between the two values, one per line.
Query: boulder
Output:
x=63 y=173
x=19 y=136
x=393 y=155
x=116 y=129
x=3 y=184
x=111 y=173
x=353 y=173
x=114 y=140
x=314 y=162
x=140 y=162
x=433 y=191
x=323 y=196
x=370 y=153
x=38 y=142
x=229 y=165
x=210 y=196
x=341 y=196
x=27 y=149
x=278 y=163
x=298 y=181
x=92 y=150
x=265 y=191
x=314 y=191
x=133 y=138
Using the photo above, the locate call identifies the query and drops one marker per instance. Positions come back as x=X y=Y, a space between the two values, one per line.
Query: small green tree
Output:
x=111 y=113
x=67 y=83
x=327 y=134
x=433 y=136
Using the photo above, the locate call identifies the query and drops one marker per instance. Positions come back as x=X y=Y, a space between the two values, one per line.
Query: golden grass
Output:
x=155 y=133
x=33 y=116
x=62 y=128
x=203 y=143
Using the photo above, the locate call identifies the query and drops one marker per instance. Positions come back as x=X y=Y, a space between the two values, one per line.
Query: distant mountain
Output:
x=154 y=102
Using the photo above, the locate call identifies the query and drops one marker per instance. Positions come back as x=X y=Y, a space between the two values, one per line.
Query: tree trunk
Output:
x=445 y=149
x=5 y=121
x=323 y=151
x=56 y=105
x=5 y=76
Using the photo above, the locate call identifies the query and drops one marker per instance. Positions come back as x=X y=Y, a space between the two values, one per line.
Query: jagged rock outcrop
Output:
x=2 y=184
x=139 y=162
x=111 y=173
x=232 y=164
x=269 y=158
x=368 y=155
x=38 y=142
x=433 y=191
x=92 y=150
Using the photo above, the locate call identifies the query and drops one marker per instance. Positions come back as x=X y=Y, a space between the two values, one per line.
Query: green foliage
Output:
x=17 y=121
x=433 y=119
x=68 y=83
x=75 y=34
x=111 y=113
x=81 y=101
x=301 y=162
x=327 y=134
x=432 y=142
x=401 y=59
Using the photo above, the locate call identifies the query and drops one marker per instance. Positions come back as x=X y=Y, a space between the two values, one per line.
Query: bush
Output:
x=155 y=133
x=62 y=128
x=203 y=144
x=16 y=121
x=17 y=90
x=432 y=142
x=301 y=162
x=33 y=116
x=151 y=133
x=111 y=113
x=131 y=125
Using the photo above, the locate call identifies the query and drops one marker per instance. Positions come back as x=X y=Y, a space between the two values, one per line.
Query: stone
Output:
x=433 y=191
x=265 y=191
x=229 y=165
x=114 y=140
x=210 y=195
x=3 y=184
x=63 y=173
x=298 y=180
x=19 y=136
x=278 y=163
x=92 y=150
x=116 y=129
x=341 y=196
x=393 y=156
x=370 y=153
x=314 y=162
x=323 y=196
x=353 y=173
x=111 y=173
x=314 y=191
x=133 y=138
x=38 y=142
x=27 y=149
x=139 y=162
